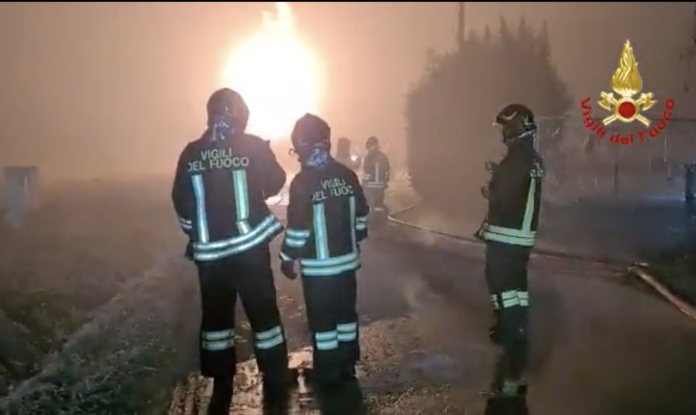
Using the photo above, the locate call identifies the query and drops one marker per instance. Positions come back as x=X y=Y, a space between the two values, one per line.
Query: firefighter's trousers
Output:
x=375 y=198
x=333 y=323
x=506 y=275
x=248 y=274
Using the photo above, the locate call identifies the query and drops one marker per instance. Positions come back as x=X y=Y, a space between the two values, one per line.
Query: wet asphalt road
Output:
x=599 y=348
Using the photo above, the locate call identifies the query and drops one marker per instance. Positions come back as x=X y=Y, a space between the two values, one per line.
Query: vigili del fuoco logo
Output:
x=627 y=106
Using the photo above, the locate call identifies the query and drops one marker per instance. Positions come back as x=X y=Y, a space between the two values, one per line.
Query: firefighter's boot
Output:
x=277 y=389
x=508 y=398
x=345 y=398
x=506 y=405
x=222 y=396
x=349 y=374
x=320 y=382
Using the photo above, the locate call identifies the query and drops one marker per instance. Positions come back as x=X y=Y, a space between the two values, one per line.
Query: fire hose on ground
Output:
x=663 y=291
x=472 y=240
x=637 y=269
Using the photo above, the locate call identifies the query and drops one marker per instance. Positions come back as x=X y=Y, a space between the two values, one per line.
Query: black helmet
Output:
x=372 y=143
x=226 y=105
x=310 y=132
x=343 y=144
x=517 y=123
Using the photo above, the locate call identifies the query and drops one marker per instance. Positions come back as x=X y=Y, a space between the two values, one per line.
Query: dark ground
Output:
x=599 y=346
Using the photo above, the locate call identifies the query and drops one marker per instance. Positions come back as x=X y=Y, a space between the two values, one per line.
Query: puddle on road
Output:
x=417 y=370
x=193 y=397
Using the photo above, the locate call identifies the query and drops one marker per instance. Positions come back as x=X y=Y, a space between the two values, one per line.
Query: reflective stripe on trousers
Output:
x=269 y=339
x=217 y=340
x=347 y=332
x=326 y=340
x=510 y=298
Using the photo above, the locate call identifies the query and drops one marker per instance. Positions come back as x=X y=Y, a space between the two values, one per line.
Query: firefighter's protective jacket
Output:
x=220 y=191
x=514 y=198
x=377 y=170
x=327 y=220
x=690 y=184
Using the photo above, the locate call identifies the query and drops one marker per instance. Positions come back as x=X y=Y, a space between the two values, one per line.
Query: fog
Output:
x=98 y=305
x=115 y=89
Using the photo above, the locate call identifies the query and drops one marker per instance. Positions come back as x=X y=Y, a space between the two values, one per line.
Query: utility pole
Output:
x=690 y=52
x=461 y=22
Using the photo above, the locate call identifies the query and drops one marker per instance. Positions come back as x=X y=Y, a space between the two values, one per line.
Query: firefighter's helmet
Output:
x=372 y=143
x=228 y=106
x=310 y=133
x=517 y=123
x=343 y=145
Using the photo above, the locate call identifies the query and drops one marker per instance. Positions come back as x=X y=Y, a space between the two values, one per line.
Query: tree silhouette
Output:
x=487 y=37
x=526 y=38
x=450 y=110
x=543 y=41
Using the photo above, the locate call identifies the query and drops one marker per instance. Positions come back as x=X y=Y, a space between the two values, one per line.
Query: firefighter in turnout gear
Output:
x=376 y=170
x=219 y=192
x=327 y=220
x=344 y=154
x=514 y=196
x=690 y=186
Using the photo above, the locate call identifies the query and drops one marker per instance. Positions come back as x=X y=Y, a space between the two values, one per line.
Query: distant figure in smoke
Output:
x=376 y=170
x=514 y=195
x=690 y=186
x=345 y=156
x=327 y=221
x=222 y=181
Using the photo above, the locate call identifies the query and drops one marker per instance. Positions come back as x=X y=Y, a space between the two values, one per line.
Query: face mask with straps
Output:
x=221 y=128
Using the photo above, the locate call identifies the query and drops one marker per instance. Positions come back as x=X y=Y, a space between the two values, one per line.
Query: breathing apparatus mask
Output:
x=311 y=141
x=228 y=114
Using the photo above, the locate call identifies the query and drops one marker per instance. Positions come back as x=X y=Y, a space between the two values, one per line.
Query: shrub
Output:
x=450 y=110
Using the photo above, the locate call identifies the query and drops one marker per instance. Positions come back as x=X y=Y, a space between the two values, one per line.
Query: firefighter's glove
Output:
x=479 y=232
x=485 y=192
x=491 y=166
x=288 y=269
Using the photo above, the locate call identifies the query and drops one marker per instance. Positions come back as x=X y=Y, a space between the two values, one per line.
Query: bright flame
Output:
x=276 y=75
